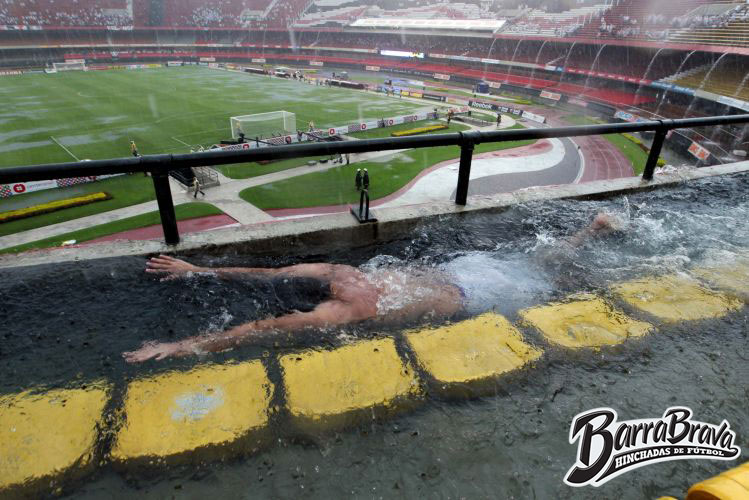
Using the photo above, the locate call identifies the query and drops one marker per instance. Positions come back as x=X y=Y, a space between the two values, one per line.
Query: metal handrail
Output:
x=160 y=165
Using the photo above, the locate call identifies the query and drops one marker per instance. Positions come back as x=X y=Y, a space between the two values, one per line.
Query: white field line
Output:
x=181 y=142
x=66 y=149
x=580 y=172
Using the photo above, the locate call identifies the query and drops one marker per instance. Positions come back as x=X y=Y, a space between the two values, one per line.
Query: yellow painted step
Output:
x=471 y=352
x=46 y=434
x=586 y=322
x=207 y=408
x=733 y=279
x=329 y=387
x=730 y=485
x=675 y=298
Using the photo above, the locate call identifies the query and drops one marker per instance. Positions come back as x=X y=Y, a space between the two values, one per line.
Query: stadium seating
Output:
x=638 y=19
x=78 y=13
x=222 y=13
x=729 y=27
x=728 y=78
x=554 y=24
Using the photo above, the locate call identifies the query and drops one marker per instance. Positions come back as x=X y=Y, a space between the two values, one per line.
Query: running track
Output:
x=602 y=159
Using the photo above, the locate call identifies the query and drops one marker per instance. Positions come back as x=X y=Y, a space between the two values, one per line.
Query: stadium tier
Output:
x=602 y=52
x=729 y=78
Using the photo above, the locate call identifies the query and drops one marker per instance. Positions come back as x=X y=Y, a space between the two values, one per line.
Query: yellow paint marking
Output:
x=734 y=279
x=473 y=350
x=732 y=484
x=589 y=322
x=44 y=434
x=675 y=298
x=353 y=377
x=178 y=412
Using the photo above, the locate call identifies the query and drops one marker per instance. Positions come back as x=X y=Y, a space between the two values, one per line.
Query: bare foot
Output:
x=173 y=268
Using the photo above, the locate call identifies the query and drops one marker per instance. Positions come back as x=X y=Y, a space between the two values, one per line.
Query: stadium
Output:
x=560 y=186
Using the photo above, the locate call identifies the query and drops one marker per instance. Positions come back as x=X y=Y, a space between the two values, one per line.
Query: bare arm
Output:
x=173 y=268
x=330 y=313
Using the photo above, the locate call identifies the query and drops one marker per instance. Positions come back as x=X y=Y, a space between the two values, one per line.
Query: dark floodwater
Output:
x=65 y=325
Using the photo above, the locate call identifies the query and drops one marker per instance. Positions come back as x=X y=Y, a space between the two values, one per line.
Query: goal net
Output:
x=263 y=124
x=70 y=66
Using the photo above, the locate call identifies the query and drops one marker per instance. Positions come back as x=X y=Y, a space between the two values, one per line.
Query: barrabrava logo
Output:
x=608 y=448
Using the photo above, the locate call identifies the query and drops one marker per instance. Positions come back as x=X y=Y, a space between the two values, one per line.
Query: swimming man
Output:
x=392 y=296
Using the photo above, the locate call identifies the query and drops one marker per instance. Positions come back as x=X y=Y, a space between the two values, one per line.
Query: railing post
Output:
x=166 y=207
x=655 y=153
x=464 y=172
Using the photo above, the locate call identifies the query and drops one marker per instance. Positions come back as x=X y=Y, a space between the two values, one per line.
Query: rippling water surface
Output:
x=66 y=325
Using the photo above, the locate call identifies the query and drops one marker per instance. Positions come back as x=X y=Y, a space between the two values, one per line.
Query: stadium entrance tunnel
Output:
x=649 y=316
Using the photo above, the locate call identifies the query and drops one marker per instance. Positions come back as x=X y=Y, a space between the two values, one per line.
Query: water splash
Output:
x=703 y=83
x=564 y=65
x=678 y=70
x=512 y=61
x=593 y=65
x=645 y=75
x=538 y=55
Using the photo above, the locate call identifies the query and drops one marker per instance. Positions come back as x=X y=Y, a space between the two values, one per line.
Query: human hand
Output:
x=173 y=268
x=157 y=351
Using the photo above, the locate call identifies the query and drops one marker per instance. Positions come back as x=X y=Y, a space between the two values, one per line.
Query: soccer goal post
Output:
x=263 y=124
x=79 y=65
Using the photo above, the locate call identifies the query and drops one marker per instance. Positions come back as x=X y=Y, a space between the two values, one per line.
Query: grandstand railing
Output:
x=160 y=165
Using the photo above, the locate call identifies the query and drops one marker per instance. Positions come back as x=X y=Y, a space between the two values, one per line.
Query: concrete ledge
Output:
x=47 y=438
x=341 y=230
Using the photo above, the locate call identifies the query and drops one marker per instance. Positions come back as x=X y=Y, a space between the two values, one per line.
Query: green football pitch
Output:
x=93 y=115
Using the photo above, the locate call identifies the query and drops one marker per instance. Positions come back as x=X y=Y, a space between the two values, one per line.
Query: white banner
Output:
x=174 y=63
x=8 y=190
x=495 y=85
x=258 y=60
x=698 y=151
x=534 y=117
x=372 y=68
x=207 y=59
x=455 y=100
x=577 y=102
x=316 y=63
x=550 y=95
x=440 y=76
x=385 y=122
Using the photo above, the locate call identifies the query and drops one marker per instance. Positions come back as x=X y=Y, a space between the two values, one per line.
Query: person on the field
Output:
x=134 y=149
x=196 y=187
x=358 y=179
x=353 y=295
x=365 y=179
x=499 y=119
